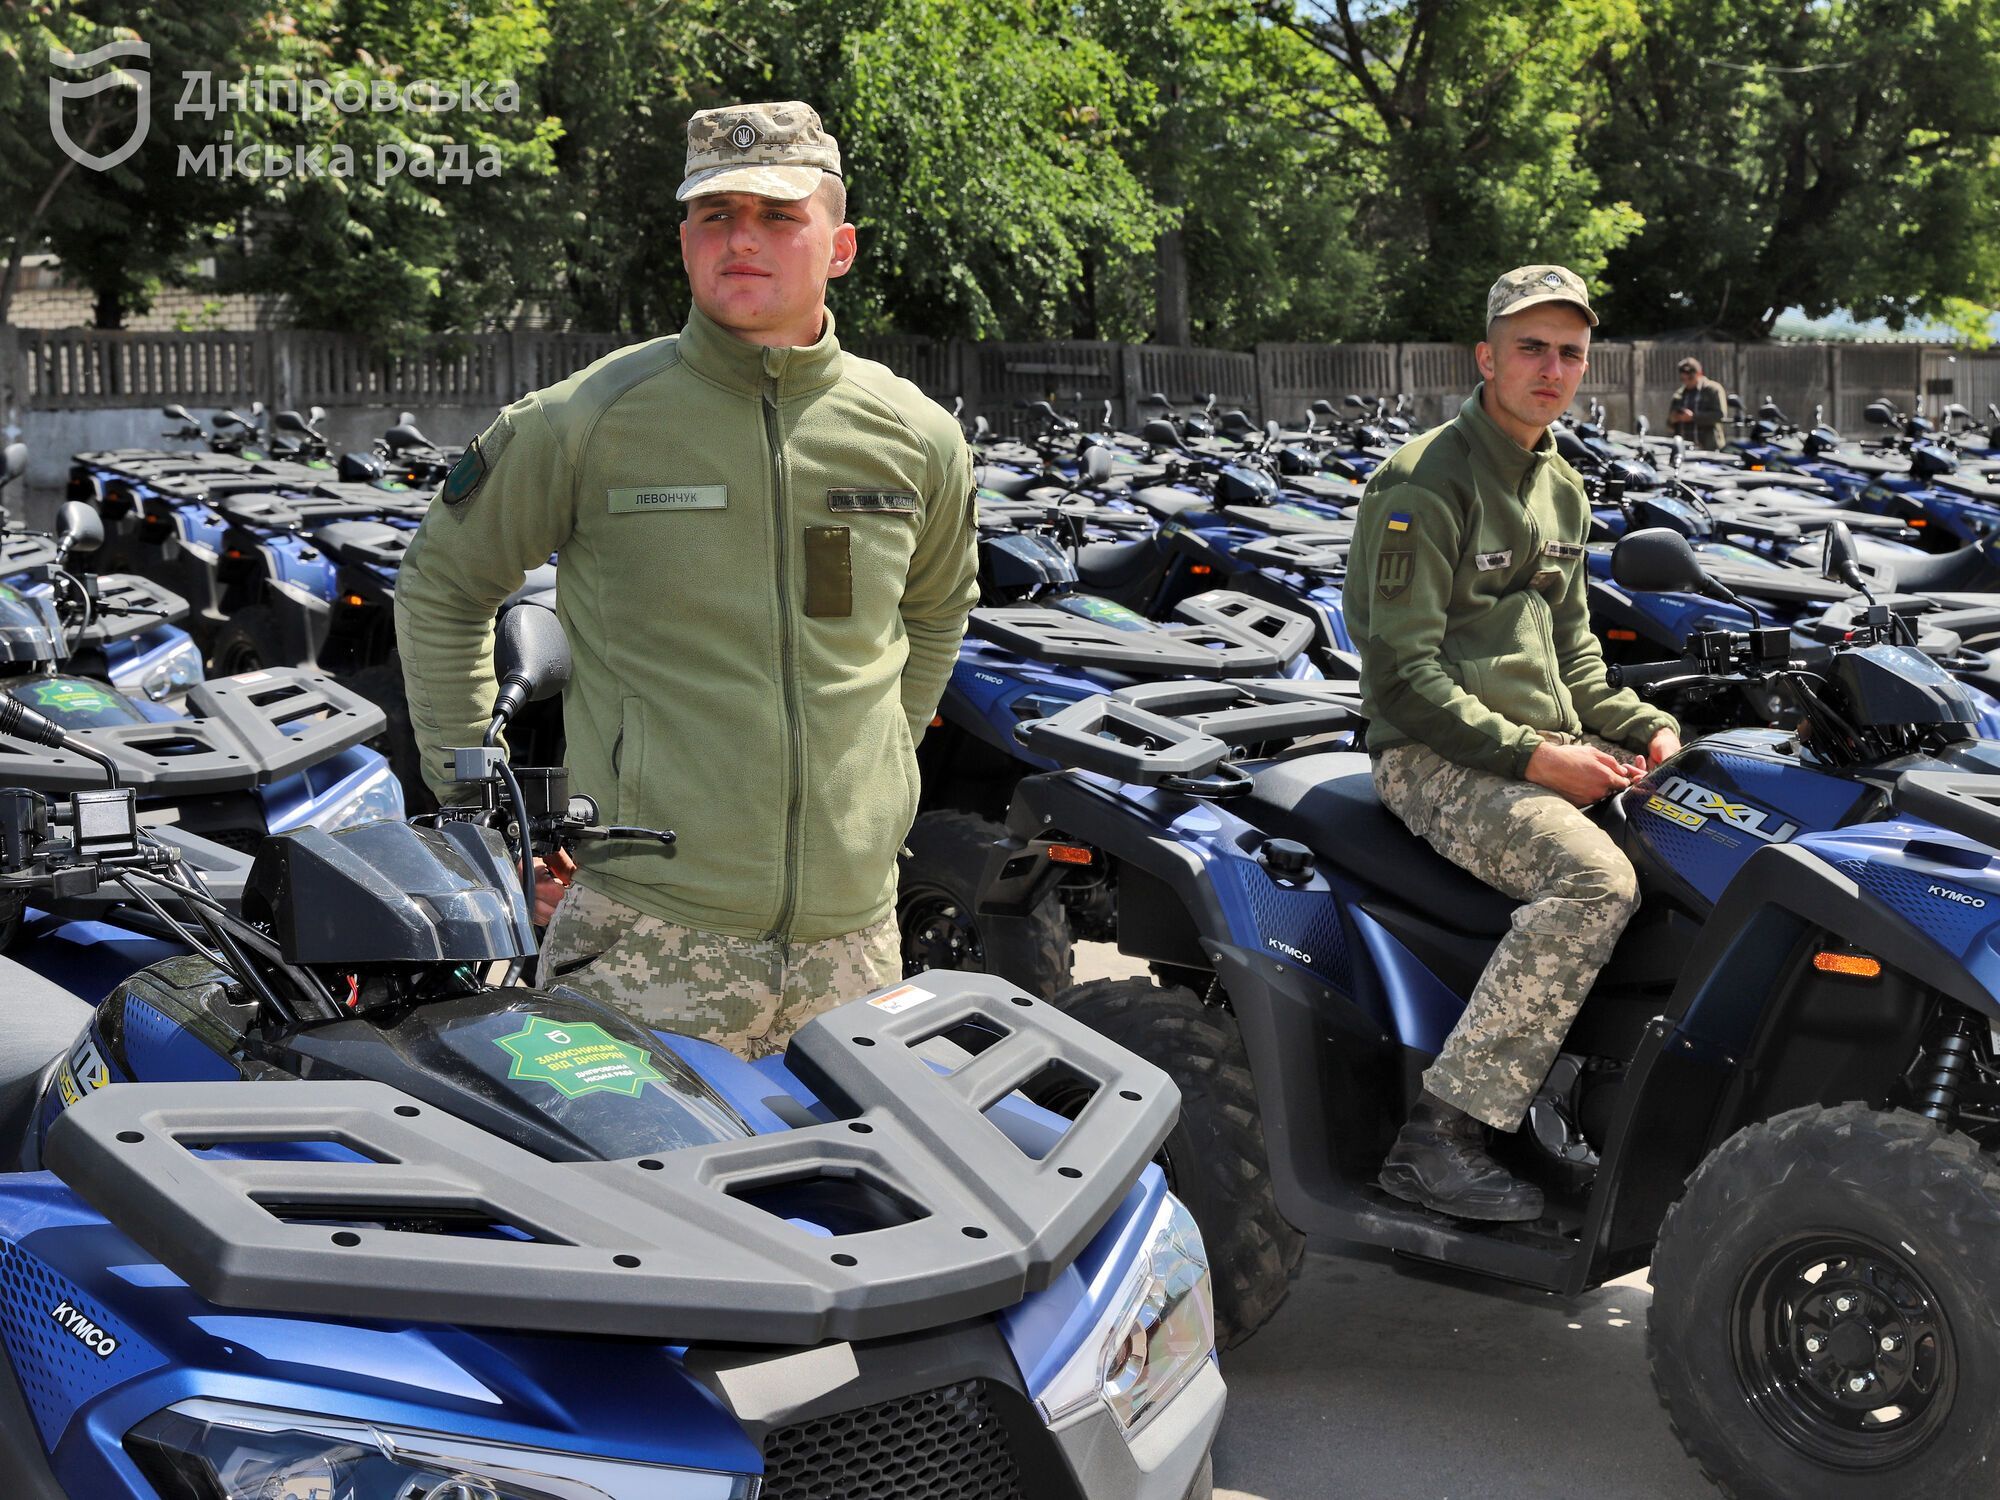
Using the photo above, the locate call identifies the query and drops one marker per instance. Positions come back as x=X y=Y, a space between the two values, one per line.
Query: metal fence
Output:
x=82 y=369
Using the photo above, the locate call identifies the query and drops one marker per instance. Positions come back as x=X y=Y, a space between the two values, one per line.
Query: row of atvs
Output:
x=414 y=1276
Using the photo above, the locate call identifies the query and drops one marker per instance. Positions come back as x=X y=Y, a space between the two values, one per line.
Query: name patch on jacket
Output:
x=876 y=502
x=1488 y=561
x=655 y=497
x=1563 y=551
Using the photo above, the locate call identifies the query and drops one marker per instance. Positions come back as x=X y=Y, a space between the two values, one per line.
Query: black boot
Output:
x=1440 y=1161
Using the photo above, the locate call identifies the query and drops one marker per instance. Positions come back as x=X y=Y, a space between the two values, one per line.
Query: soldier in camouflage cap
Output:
x=773 y=150
x=768 y=558
x=1492 y=723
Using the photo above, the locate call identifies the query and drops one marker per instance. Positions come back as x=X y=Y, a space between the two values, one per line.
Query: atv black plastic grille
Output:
x=942 y=1444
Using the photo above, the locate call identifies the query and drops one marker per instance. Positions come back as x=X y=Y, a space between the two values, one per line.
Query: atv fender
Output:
x=1753 y=1029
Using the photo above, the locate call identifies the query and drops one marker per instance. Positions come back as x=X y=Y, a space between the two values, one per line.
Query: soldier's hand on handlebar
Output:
x=552 y=878
x=1582 y=774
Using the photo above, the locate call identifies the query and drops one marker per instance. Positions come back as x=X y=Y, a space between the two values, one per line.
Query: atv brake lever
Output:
x=624 y=834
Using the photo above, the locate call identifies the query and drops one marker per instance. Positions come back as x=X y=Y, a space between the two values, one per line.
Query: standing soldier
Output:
x=1492 y=723
x=766 y=566
x=1699 y=407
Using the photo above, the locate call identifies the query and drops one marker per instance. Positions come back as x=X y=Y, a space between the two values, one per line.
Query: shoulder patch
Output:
x=480 y=455
x=1393 y=571
x=1399 y=520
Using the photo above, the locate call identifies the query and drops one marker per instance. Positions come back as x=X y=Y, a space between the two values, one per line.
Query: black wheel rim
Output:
x=1845 y=1351
x=938 y=933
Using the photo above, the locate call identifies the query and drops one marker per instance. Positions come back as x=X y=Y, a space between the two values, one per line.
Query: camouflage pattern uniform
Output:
x=746 y=994
x=1476 y=650
x=1532 y=844
x=768 y=557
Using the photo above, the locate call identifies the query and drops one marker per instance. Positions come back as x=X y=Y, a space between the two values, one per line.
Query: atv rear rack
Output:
x=238 y=735
x=1310 y=553
x=657 y=1247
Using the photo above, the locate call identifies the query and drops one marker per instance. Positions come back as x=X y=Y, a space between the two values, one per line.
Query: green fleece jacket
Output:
x=1467 y=594
x=766 y=563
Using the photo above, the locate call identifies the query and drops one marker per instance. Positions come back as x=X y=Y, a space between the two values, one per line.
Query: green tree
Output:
x=1835 y=155
x=399 y=247
x=125 y=231
x=1464 y=124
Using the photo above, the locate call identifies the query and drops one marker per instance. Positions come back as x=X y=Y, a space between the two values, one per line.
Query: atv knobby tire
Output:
x=1215 y=1157
x=937 y=891
x=382 y=685
x=247 y=642
x=1793 y=1229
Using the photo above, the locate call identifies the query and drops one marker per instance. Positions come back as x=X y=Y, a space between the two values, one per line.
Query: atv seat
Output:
x=1327 y=802
x=1165 y=500
x=1111 y=565
x=1924 y=573
x=1004 y=481
x=1868 y=463
x=38 y=1021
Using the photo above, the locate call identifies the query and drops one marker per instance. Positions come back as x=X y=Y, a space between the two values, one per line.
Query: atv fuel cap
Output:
x=1286 y=859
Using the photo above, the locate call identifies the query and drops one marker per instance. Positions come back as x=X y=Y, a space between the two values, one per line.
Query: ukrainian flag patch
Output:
x=1399 y=521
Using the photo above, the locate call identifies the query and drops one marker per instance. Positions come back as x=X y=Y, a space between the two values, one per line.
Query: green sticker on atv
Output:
x=65 y=697
x=576 y=1058
x=1102 y=610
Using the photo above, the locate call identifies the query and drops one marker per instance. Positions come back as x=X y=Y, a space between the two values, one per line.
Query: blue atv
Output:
x=220 y=763
x=1036 y=645
x=313 y=1209
x=1783 y=1092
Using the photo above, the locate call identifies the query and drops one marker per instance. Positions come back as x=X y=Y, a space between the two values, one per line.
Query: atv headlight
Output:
x=177 y=670
x=216 y=1450
x=378 y=798
x=1160 y=1329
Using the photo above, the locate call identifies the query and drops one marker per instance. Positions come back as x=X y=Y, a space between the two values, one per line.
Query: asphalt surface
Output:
x=1382 y=1378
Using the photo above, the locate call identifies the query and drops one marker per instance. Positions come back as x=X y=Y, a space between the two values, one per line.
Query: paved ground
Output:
x=1383 y=1379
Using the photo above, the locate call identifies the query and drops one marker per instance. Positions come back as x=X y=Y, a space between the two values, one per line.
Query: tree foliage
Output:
x=1225 y=171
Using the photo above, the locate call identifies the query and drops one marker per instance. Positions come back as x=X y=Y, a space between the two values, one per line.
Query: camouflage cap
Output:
x=1529 y=286
x=772 y=150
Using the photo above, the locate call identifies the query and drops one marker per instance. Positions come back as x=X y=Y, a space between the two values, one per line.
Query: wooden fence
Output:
x=81 y=369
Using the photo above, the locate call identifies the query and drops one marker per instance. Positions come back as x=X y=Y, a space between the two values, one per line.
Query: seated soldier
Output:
x=1492 y=723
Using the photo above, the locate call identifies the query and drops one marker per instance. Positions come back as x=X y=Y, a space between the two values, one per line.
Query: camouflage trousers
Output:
x=746 y=994
x=1579 y=892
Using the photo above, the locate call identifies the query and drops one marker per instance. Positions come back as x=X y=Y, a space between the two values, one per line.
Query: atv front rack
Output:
x=240 y=732
x=671 y=1246
x=1281 y=522
x=1181 y=735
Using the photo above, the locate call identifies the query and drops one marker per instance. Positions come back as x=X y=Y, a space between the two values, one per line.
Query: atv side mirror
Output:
x=316 y=414
x=1879 y=414
x=290 y=421
x=1768 y=410
x=1160 y=433
x=1841 y=560
x=1325 y=408
x=1641 y=424
x=1097 y=465
x=531 y=659
x=1736 y=403
x=1354 y=402
x=179 y=413
x=1271 y=430
x=13 y=462
x=1159 y=399
x=1657 y=560
x=981 y=429
x=400 y=437
x=78 y=528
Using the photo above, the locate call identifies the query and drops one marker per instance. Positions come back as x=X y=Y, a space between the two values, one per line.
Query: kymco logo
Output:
x=61 y=89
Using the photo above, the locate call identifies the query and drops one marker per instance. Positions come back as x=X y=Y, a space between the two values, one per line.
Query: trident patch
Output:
x=1392 y=573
